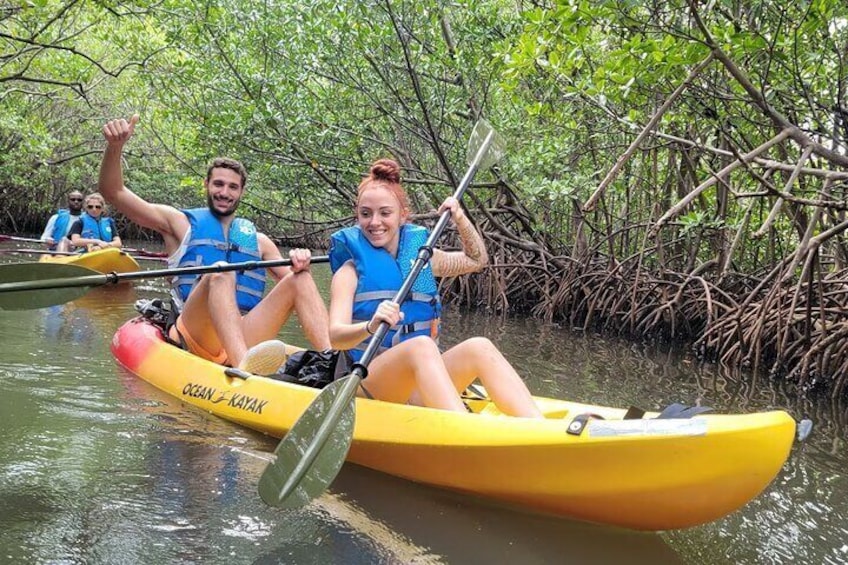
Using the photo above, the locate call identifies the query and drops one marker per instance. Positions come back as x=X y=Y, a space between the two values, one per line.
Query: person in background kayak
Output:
x=94 y=229
x=224 y=316
x=56 y=231
x=370 y=262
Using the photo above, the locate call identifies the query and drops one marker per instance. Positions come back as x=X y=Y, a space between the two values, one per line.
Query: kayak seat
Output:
x=682 y=411
x=633 y=413
x=676 y=410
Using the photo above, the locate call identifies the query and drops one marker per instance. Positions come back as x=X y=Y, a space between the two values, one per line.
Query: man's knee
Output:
x=220 y=281
x=303 y=280
x=296 y=284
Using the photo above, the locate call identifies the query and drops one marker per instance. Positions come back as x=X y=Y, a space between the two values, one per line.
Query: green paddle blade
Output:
x=26 y=286
x=494 y=152
x=315 y=448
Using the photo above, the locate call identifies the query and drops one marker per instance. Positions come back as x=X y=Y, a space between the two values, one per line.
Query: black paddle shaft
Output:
x=217 y=268
x=425 y=253
x=104 y=279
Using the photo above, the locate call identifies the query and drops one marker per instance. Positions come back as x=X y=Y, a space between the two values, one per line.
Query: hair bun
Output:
x=386 y=170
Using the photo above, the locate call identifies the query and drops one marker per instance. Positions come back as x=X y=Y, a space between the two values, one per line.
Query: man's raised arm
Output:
x=166 y=220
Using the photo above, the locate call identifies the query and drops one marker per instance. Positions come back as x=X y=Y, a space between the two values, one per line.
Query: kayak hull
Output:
x=109 y=260
x=645 y=474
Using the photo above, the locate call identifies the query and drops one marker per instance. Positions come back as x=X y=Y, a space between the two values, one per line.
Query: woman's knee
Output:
x=479 y=347
x=479 y=342
x=422 y=348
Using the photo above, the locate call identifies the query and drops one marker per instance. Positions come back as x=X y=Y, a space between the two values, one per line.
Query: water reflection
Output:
x=79 y=322
x=462 y=530
x=208 y=504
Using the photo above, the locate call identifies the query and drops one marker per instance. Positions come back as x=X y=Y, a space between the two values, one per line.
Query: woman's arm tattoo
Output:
x=471 y=259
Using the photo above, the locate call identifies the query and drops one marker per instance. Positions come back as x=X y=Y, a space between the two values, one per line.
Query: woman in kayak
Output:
x=94 y=230
x=370 y=261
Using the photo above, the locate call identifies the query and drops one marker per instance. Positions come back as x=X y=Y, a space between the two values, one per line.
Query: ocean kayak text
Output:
x=235 y=400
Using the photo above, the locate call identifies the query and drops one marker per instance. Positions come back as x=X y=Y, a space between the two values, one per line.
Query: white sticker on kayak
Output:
x=650 y=427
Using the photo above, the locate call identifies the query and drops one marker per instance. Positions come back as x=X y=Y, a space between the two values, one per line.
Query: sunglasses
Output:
x=94 y=206
x=75 y=199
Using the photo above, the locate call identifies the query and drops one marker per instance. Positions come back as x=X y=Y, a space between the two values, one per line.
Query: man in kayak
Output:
x=225 y=317
x=56 y=231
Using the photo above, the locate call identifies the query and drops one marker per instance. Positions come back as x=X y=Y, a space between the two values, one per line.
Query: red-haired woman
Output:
x=370 y=261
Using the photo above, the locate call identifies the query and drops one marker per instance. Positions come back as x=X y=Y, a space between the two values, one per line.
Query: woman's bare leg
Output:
x=478 y=357
x=413 y=366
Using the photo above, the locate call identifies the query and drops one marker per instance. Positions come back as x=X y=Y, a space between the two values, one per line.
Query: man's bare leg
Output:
x=296 y=291
x=311 y=311
x=212 y=317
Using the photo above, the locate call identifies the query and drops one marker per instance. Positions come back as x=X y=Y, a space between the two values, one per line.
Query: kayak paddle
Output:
x=38 y=285
x=28 y=251
x=142 y=252
x=312 y=452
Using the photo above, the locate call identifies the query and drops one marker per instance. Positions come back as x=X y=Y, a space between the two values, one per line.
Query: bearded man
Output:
x=225 y=317
x=56 y=232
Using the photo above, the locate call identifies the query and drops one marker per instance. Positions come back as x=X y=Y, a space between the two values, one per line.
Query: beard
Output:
x=229 y=212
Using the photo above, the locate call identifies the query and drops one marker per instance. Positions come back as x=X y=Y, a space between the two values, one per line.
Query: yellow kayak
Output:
x=109 y=260
x=645 y=474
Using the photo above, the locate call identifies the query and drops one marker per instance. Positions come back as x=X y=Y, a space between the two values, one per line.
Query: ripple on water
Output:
x=248 y=527
x=173 y=527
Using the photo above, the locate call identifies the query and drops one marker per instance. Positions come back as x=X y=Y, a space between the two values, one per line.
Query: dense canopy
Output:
x=674 y=168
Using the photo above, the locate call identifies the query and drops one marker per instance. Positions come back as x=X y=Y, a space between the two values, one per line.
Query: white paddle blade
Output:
x=492 y=153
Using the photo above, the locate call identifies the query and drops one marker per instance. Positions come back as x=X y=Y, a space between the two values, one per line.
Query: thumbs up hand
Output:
x=118 y=131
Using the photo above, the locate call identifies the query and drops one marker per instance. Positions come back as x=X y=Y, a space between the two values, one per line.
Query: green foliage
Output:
x=309 y=94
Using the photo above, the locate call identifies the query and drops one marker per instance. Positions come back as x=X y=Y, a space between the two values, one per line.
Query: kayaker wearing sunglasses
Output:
x=95 y=230
x=56 y=232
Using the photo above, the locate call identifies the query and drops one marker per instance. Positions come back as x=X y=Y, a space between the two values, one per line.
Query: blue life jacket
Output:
x=380 y=276
x=102 y=228
x=61 y=227
x=209 y=245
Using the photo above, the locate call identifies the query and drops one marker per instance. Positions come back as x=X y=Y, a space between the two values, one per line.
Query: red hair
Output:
x=385 y=173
